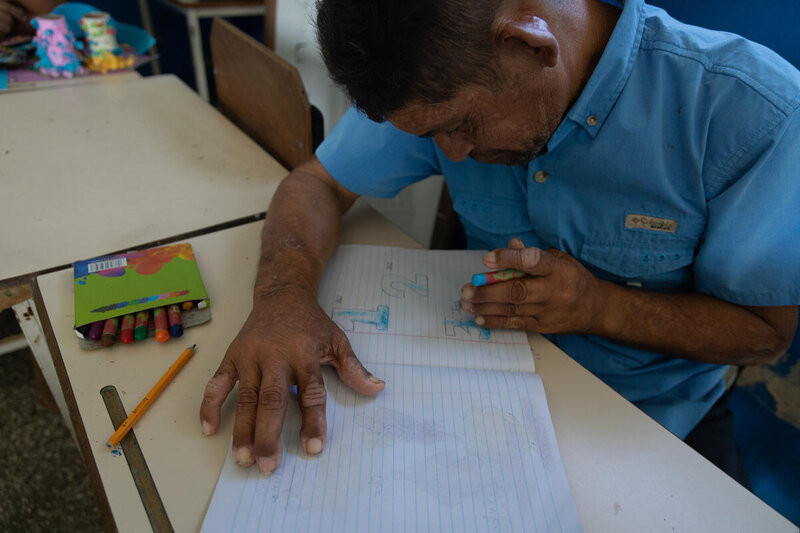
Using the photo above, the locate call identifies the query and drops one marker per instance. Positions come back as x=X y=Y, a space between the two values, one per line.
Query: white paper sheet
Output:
x=460 y=439
x=403 y=307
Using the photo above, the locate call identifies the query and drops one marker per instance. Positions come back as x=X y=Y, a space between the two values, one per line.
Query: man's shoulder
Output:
x=720 y=58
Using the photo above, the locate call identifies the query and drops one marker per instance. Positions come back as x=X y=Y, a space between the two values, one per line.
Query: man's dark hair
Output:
x=389 y=53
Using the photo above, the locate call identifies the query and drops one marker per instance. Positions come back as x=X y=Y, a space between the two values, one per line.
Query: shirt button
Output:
x=540 y=177
x=591 y=120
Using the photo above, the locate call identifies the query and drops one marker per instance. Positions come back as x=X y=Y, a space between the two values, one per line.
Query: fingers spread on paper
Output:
x=281 y=344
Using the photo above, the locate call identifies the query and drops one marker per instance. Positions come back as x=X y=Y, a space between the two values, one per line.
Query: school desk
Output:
x=97 y=168
x=101 y=167
x=15 y=292
x=626 y=472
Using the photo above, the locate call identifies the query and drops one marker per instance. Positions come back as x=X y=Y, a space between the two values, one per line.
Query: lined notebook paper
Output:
x=459 y=440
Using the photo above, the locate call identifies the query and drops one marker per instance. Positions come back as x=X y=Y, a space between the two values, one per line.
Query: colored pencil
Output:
x=489 y=278
x=137 y=413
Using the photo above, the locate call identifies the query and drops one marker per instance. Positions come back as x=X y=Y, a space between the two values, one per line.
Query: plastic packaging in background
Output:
x=137 y=38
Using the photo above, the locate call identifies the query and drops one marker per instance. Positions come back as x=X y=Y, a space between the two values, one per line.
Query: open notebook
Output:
x=460 y=439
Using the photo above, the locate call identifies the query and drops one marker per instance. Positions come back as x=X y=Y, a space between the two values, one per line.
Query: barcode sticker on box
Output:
x=107 y=264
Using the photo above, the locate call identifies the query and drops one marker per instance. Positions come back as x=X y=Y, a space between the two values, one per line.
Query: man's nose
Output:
x=456 y=146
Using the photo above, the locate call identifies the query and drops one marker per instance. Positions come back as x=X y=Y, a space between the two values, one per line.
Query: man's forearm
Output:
x=287 y=337
x=696 y=326
x=300 y=234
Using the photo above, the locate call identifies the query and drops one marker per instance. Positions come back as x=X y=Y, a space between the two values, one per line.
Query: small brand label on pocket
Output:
x=651 y=223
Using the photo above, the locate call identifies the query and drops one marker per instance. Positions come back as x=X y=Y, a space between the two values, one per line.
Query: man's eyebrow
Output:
x=446 y=127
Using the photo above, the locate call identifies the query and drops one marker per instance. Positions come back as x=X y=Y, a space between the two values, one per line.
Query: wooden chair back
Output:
x=270 y=16
x=262 y=94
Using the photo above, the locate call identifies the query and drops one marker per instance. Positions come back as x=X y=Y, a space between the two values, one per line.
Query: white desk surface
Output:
x=626 y=472
x=94 y=168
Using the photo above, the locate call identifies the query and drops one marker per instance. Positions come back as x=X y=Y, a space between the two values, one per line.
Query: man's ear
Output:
x=519 y=26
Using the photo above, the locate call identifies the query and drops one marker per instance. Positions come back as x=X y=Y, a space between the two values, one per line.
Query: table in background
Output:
x=626 y=472
x=193 y=11
x=97 y=168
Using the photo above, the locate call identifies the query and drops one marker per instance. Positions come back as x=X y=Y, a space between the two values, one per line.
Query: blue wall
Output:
x=773 y=23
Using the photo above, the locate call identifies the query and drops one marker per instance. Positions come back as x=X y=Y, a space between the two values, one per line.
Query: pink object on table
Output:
x=55 y=47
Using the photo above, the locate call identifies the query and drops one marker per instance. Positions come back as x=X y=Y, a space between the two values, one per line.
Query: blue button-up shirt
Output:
x=677 y=169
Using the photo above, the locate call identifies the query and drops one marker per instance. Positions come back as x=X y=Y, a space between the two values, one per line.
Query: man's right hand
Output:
x=283 y=342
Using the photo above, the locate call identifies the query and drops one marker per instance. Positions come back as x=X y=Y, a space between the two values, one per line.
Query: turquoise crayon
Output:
x=488 y=278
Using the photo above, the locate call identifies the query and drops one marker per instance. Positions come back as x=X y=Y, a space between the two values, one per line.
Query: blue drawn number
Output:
x=452 y=326
x=394 y=285
x=348 y=318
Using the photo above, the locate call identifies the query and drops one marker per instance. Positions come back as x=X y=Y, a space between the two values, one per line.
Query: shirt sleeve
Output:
x=375 y=159
x=751 y=251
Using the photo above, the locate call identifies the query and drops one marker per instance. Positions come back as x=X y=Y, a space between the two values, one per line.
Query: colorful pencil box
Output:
x=124 y=284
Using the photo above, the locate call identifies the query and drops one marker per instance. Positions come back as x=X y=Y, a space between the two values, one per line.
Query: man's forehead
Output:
x=423 y=118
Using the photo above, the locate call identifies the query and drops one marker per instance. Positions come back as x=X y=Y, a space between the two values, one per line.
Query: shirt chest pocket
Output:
x=493 y=221
x=662 y=262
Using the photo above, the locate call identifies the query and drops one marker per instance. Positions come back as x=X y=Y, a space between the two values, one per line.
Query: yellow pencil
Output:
x=137 y=413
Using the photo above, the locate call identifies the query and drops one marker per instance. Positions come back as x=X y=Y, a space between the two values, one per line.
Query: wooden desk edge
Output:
x=16 y=285
x=72 y=407
x=14 y=291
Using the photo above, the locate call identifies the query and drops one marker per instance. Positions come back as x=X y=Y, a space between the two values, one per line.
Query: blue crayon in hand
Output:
x=488 y=278
x=175 y=323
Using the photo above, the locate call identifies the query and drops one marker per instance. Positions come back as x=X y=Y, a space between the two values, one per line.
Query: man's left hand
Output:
x=558 y=296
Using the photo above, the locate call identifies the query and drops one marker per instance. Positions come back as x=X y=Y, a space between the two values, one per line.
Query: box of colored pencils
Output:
x=129 y=297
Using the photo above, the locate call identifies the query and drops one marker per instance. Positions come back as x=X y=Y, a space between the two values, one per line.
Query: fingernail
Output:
x=243 y=456
x=479 y=320
x=313 y=446
x=467 y=293
x=489 y=258
x=377 y=381
x=206 y=428
x=532 y=256
x=267 y=465
x=466 y=306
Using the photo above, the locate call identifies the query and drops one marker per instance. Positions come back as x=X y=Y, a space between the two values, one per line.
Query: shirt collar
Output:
x=612 y=71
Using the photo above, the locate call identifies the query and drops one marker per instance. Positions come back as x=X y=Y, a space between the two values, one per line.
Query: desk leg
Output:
x=147 y=22
x=29 y=322
x=196 y=42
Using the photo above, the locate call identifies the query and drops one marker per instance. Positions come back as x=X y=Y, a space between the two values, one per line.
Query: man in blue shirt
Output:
x=643 y=172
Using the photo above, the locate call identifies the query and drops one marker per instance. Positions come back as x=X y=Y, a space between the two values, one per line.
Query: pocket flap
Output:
x=636 y=261
x=499 y=216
